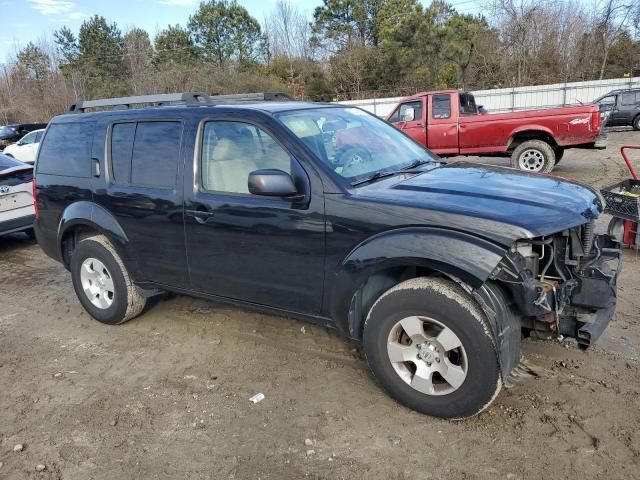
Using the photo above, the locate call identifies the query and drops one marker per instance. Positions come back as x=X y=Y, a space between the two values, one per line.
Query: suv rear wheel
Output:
x=102 y=282
x=636 y=123
x=431 y=348
x=534 y=156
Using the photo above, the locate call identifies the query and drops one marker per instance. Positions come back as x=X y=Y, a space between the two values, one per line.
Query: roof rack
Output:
x=189 y=98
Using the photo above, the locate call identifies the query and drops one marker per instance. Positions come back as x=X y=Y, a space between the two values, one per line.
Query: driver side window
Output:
x=407 y=112
x=28 y=139
x=232 y=150
x=608 y=101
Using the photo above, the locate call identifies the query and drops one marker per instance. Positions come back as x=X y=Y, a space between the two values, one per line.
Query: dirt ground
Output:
x=166 y=395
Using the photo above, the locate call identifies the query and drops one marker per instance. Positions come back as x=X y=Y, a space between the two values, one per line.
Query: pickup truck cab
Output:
x=329 y=214
x=449 y=123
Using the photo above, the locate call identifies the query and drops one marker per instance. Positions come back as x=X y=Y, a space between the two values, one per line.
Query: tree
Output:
x=224 y=31
x=348 y=23
x=34 y=62
x=613 y=18
x=174 y=46
x=288 y=32
x=138 y=53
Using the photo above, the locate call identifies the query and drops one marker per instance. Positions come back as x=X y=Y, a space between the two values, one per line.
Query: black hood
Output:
x=510 y=204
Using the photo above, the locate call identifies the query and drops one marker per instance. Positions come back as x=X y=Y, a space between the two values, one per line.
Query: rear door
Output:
x=141 y=185
x=410 y=117
x=442 y=134
x=627 y=108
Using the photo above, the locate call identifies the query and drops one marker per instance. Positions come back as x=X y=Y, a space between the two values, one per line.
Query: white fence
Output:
x=521 y=98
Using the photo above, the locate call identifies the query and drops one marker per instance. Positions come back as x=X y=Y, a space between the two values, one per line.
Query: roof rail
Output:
x=190 y=98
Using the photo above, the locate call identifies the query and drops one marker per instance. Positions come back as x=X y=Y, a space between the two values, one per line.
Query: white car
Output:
x=26 y=149
x=17 y=211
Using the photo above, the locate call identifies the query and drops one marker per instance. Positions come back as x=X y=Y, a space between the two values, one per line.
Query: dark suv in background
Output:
x=623 y=107
x=291 y=208
x=12 y=133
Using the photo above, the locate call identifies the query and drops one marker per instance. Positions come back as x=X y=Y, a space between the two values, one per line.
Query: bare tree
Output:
x=288 y=31
x=613 y=17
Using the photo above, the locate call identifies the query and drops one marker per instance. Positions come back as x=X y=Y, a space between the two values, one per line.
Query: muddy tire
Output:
x=534 y=156
x=102 y=282
x=636 y=123
x=431 y=348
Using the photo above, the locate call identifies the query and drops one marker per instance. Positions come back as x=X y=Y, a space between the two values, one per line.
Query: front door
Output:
x=263 y=250
x=442 y=135
x=410 y=118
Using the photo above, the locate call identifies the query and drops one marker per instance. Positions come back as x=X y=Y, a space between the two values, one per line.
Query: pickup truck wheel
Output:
x=431 y=348
x=102 y=282
x=533 y=156
x=636 y=123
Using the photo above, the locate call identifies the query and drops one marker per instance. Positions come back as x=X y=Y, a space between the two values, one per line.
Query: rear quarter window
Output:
x=66 y=150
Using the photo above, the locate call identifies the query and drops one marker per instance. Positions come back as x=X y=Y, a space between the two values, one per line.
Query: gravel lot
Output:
x=166 y=395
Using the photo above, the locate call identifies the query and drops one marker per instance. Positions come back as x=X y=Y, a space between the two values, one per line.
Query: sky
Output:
x=23 y=21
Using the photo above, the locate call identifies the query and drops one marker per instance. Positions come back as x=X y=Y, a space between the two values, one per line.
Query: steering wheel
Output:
x=354 y=158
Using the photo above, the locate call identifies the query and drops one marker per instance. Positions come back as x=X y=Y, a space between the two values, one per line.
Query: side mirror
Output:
x=272 y=182
x=606 y=107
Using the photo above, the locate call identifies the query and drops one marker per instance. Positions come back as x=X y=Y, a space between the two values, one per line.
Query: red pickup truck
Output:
x=449 y=123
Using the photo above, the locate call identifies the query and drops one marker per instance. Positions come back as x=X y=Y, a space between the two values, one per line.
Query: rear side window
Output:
x=66 y=149
x=630 y=98
x=441 y=106
x=122 y=135
x=145 y=153
x=467 y=104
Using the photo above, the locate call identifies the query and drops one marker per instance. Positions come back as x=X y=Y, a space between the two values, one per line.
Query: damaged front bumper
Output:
x=567 y=288
x=575 y=297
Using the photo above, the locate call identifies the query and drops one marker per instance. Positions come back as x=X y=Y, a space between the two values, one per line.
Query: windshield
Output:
x=353 y=143
x=7 y=131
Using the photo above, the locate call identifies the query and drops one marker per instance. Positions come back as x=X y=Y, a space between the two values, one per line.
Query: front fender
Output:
x=95 y=217
x=456 y=254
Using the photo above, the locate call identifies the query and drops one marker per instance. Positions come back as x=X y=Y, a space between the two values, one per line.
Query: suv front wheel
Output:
x=102 y=282
x=431 y=348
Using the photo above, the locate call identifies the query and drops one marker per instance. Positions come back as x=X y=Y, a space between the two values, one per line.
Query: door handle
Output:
x=200 y=216
x=96 y=167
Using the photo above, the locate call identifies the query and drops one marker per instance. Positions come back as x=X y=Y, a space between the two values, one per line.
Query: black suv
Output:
x=12 y=133
x=623 y=107
x=326 y=213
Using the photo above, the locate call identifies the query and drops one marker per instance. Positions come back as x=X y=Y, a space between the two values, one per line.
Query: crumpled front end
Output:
x=565 y=283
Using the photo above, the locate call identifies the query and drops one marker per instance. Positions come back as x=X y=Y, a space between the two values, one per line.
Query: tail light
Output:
x=35 y=200
x=595 y=120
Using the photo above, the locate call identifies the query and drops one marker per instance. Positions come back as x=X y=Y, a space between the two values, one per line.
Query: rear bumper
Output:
x=601 y=141
x=16 y=225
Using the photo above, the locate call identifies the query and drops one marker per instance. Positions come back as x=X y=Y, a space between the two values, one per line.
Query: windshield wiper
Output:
x=414 y=164
x=373 y=177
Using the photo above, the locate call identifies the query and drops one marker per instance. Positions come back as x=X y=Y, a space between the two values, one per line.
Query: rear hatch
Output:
x=16 y=196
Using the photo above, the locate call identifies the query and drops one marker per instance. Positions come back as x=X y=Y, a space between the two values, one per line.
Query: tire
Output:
x=534 y=156
x=429 y=307
x=616 y=228
x=636 y=123
x=116 y=298
x=559 y=152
